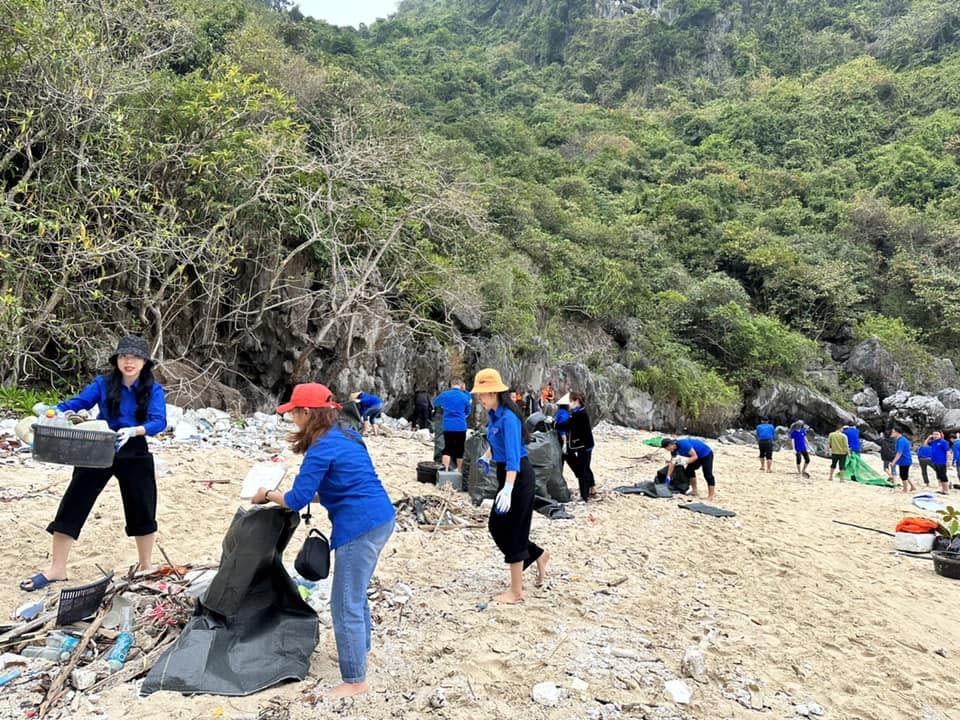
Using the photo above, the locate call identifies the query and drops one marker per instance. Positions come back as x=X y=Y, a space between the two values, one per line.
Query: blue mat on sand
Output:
x=708 y=510
x=926 y=501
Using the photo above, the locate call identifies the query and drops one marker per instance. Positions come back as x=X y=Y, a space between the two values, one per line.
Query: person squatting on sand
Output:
x=902 y=460
x=337 y=469
x=134 y=406
x=694 y=454
x=512 y=509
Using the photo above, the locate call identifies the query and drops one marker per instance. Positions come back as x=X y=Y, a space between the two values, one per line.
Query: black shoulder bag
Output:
x=313 y=560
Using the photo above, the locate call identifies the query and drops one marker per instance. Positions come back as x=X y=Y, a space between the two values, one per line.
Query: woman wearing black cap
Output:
x=133 y=405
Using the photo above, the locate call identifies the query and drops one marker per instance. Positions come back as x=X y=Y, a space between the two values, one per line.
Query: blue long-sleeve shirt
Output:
x=956 y=451
x=456 y=406
x=96 y=394
x=365 y=401
x=337 y=468
x=853 y=438
x=685 y=445
x=562 y=422
x=505 y=435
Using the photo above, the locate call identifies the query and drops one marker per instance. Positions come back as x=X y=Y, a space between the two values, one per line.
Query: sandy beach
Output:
x=787 y=607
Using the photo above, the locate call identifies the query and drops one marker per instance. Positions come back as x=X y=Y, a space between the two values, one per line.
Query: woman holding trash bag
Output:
x=134 y=406
x=512 y=510
x=338 y=470
x=580 y=446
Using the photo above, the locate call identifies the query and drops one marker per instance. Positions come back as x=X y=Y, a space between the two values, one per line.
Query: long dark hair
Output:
x=321 y=420
x=503 y=397
x=144 y=390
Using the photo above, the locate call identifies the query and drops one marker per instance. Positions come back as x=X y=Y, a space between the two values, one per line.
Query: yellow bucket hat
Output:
x=488 y=380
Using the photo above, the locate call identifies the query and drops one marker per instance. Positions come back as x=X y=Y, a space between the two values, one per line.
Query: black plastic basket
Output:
x=70 y=446
x=946 y=563
x=427 y=472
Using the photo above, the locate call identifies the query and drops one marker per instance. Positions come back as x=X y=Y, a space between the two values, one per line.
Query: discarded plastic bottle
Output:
x=54 y=419
x=67 y=646
x=41 y=651
x=123 y=643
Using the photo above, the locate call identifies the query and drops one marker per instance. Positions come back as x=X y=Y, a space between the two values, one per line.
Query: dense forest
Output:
x=729 y=190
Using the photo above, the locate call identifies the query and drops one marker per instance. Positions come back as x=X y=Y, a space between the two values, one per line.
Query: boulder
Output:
x=897 y=399
x=189 y=387
x=785 y=402
x=950 y=397
x=921 y=414
x=945 y=374
x=876 y=366
x=628 y=405
x=951 y=420
x=866 y=397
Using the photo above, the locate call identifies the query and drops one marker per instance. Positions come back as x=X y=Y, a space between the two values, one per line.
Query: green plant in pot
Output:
x=949 y=531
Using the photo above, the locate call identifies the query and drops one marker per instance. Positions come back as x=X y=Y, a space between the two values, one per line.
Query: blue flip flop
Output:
x=37 y=582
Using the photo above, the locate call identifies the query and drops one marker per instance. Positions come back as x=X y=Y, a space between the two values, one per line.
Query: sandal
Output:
x=38 y=582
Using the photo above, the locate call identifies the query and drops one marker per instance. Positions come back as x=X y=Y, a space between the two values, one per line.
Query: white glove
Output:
x=681 y=461
x=124 y=434
x=564 y=450
x=502 y=503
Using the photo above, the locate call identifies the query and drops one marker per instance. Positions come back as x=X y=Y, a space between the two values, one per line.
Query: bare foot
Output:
x=542 y=567
x=711 y=497
x=508 y=598
x=349 y=689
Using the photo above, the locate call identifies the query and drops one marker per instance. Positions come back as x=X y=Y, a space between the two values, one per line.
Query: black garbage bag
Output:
x=251 y=629
x=350 y=416
x=679 y=483
x=480 y=485
x=545 y=455
x=538 y=422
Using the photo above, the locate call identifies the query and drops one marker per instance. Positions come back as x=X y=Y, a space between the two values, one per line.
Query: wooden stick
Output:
x=56 y=690
x=34 y=624
x=167 y=558
x=135 y=669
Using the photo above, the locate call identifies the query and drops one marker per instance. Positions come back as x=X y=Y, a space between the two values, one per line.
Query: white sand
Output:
x=787 y=606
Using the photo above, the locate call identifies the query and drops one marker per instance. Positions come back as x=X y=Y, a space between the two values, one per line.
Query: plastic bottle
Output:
x=54 y=419
x=67 y=646
x=41 y=651
x=118 y=653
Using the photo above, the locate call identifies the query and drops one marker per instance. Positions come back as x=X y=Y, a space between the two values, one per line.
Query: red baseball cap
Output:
x=310 y=395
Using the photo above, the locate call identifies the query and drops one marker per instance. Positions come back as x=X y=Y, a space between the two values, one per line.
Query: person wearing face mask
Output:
x=337 y=469
x=512 y=511
x=133 y=405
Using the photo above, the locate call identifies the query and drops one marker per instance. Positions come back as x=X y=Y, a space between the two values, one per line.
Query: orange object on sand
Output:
x=917 y=525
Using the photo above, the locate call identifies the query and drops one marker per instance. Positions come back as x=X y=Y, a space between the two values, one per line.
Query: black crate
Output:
x=70 y=446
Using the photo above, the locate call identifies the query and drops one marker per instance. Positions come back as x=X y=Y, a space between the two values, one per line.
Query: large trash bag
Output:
x=480 y=485
x=350 y=416
x=858 y=470
x=438 y=435
x=538 y=422
x=545 y=455
x=251 y=629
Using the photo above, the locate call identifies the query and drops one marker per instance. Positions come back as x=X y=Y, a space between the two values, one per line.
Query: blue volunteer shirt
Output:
x=96 y=394
x=338 y=469
x=685 y=445
x=853 y=438
x=765 y=431
x=456 y=406
x=562 y=422
x=924 y=452
x=505 y=435
x=938 y=452
x=956 y=451
x=799 y=438
x=365 y=401
x=903 y=447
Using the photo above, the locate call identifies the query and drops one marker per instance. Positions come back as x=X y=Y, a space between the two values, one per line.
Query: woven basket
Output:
x=69 y=446
x=946 y=563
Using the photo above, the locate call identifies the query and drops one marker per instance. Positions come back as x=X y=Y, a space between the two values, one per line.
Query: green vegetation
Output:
x=744 y=179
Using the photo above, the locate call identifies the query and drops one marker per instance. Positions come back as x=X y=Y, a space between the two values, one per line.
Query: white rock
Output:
x=82 y=678
x=174 y=415
x=546 y=693
x=438 y=699
x=624 y=653
x=678 y=691
x=808 y=709
x=185 y=430
x=694 y=664
x=578 y=685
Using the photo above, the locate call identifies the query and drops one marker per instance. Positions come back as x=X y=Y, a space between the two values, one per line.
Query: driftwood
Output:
x=29 y=627
x=56 y=690
x=136 y=668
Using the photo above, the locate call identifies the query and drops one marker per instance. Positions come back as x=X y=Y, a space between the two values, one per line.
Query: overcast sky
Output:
x=348 y=12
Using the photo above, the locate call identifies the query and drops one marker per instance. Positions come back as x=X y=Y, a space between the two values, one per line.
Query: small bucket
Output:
x=450 y=478
x=427 y=472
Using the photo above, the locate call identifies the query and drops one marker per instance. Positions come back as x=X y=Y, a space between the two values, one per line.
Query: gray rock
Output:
x=784 y=403
x=895 y=400
x=945 y=374
x=951 y=420
x=950 y=397
x=866 y=397
x=919 y=413
x=876 y=366
x=694 y=664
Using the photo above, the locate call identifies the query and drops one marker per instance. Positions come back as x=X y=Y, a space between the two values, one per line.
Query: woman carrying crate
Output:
x=134 y=406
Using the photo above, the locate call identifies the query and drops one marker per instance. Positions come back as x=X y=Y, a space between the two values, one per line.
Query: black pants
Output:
x=511 y=530
x=421 y=416
x=133 y=468
x=580 y=464
x=941 y=472
x=924 y=464
x=706 y=465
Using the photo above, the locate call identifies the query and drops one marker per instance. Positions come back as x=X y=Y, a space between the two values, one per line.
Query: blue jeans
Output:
x=354 y=563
